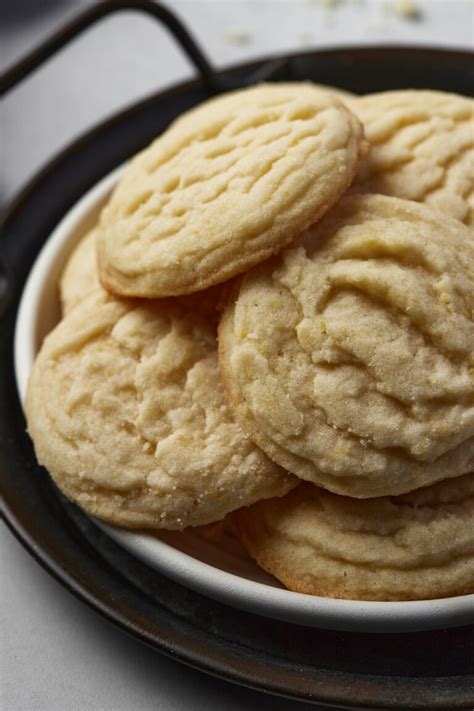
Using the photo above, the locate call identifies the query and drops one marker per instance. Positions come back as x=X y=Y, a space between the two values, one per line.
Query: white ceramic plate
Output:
x=214 y=565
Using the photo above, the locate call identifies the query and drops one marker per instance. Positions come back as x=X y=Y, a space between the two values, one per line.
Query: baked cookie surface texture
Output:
x=127 y=411
x=226 y=186
x=416 y=546
x=422 y=149
x=80 y=275
x=349 y=358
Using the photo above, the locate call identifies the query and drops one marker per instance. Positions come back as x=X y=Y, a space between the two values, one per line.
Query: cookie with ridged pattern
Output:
x=417 y=546
x=225 y=187
x=421 y=148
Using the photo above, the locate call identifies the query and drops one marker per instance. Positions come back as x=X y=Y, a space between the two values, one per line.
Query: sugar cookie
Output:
x=225 y=187
x=127 y=411
x=416 y=546
x=422 y=148
x=349 y=358
x=80 y=274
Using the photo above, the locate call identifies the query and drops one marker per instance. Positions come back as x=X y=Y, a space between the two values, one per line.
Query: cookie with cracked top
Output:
x=127 y=411
x=349 y=357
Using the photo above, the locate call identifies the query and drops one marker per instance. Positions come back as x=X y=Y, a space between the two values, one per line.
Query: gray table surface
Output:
x=56 y=655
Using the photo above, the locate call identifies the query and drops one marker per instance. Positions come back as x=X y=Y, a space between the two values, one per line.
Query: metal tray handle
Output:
x=21 y=69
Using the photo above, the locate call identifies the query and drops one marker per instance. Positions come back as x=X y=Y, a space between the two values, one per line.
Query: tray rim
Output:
x=43 y=558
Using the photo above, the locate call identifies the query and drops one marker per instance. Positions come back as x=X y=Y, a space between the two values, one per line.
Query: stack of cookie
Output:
x=334 y=422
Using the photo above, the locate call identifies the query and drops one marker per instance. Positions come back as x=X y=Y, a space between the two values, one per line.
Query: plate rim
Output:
x=252 y=596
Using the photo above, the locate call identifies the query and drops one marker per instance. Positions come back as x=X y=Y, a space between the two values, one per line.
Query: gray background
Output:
x=56 y=654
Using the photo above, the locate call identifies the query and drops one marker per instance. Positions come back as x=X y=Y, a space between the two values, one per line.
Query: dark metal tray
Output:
x=417 y=670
